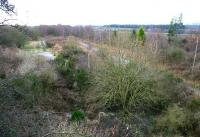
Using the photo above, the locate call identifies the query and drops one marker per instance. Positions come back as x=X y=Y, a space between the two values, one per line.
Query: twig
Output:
x=62 y=133
x=5 y=20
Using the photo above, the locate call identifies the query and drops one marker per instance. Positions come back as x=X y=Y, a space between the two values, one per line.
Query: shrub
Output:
x=133 y=35
x=176 y=120
x=34 y=34
x=31 y=32
x=77 y=116
x=130 y=87
x=194 y=104
x=31 y=89
x=66 y=65
x=10 y=36
x=169 y=85
x=82 y=78
x=175 y=54
x=49 y=44
x=141 y=35
x=48 y=76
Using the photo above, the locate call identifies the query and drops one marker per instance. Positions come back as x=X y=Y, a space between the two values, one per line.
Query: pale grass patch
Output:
x=38 y=65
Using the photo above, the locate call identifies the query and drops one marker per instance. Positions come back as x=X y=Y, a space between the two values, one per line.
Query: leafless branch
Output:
x=5 y=20
x=7 y=7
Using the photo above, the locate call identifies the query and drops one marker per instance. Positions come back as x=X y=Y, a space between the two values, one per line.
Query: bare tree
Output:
x=8 y=8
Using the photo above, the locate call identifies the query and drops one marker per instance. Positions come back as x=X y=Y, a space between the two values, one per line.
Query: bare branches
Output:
x=6 y=7
x=5 y=20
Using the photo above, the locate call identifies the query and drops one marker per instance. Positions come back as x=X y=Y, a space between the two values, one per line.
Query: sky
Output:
x=101 y=12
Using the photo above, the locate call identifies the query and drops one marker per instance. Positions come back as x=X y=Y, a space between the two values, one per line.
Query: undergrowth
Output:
x=66 y=61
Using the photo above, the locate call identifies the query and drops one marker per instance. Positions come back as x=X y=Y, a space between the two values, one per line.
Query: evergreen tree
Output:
x=176 y=27
x=141 y=35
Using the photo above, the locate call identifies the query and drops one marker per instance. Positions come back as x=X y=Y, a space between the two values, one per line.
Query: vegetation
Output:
x=66 y=64
x=175 y=54
x=141 y=35
x=176 y=27
x=133 y=35
x=119 y=88
x=177 y=121
x=77 y=116
x=32 y=33
x=128 y=88
x=6 y=6
x=12 y=37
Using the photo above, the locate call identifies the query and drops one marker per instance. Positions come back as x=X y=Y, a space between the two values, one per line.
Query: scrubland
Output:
x=108 y=85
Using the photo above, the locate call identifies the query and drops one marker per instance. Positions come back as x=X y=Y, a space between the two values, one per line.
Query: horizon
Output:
x=107 y=25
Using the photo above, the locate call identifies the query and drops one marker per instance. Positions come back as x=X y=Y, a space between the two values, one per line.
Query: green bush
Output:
x=175 y=54
x=176 y=120
x=33 y=83
x=82 y=78
x=77 y=116
x=170 y=87
x=141 y=35
x=194 y=105
x=31 y=89
x=10 y=36
x=66 y=65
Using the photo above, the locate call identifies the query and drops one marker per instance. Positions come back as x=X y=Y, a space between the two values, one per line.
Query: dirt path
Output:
x=87 y=47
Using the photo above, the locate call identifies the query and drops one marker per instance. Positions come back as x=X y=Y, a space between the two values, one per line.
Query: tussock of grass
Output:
x=128 y=87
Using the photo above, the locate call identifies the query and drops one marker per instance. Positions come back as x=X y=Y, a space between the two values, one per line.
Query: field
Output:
x=99 y=83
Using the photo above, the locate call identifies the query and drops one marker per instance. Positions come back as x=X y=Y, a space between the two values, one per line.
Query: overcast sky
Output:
x=100 y=12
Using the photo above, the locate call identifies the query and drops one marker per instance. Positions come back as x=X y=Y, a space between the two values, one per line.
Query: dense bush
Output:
x=77 y=116
x=34 y=83
x=177 y=121
x=30 y=32
x=10 y=36
x=141 y=35
x=66 y=65
x=175 y=54
x=170 y=87
x=49 y=44
x=194 y=104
